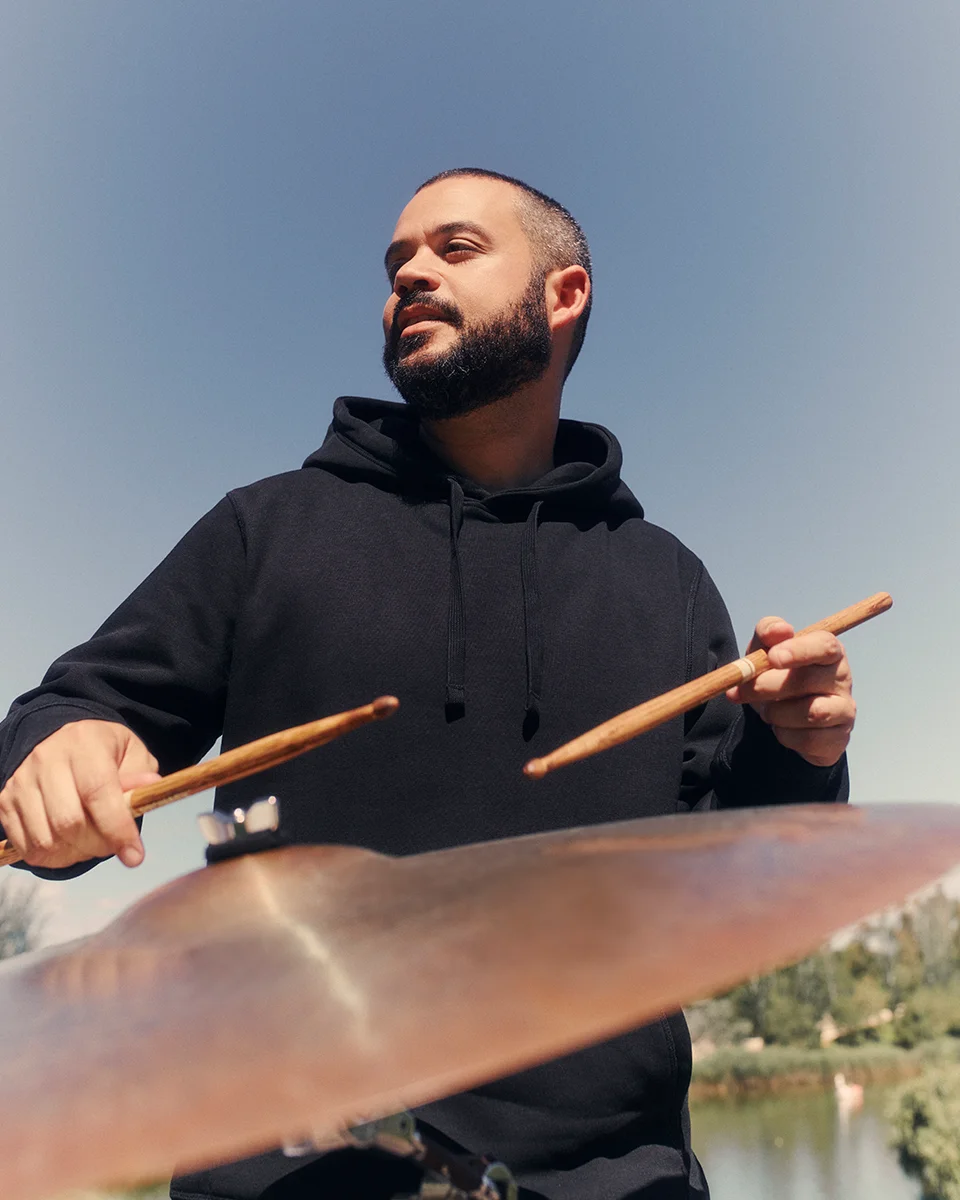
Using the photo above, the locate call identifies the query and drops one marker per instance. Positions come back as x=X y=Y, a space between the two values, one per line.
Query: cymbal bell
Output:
x=298 y=990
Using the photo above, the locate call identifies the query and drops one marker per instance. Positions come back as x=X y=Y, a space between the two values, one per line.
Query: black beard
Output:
x=486 y=363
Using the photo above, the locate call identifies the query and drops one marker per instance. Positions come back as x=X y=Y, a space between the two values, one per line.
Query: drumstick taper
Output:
x=671 y=704
x=245 y=760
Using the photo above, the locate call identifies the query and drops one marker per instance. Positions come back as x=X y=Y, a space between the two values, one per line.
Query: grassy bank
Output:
x=737 y=1073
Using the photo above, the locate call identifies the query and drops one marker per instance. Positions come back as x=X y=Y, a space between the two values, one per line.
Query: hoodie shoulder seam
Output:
x=691 y=620
x=241 y=523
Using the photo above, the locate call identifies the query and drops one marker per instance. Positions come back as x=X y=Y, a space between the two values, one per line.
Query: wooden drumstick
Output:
x=680 y=700
x=245 y=760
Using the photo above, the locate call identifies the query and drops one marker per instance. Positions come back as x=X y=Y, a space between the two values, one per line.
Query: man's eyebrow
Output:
x=463 y=227
x=446 y=227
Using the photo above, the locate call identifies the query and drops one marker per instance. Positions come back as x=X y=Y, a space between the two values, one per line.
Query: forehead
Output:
x=489 y=203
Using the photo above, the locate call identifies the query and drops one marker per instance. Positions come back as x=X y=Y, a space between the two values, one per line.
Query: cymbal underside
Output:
x=298 y=990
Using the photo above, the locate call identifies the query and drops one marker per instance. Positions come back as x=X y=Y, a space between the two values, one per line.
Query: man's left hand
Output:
x=806 y=696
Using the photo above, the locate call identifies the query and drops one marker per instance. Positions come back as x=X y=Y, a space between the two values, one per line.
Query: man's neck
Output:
x=507 y=444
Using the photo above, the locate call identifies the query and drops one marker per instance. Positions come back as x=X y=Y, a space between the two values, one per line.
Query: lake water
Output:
x=798 y=1147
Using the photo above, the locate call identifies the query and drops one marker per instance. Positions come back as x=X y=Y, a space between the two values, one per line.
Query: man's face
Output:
x=465 y=323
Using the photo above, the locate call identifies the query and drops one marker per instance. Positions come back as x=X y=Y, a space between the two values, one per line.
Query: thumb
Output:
x=769 y=632
x=135 y=758
x=129 y=780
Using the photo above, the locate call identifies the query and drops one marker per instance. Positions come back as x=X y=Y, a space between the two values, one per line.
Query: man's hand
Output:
x=806 y=696
x=65 y=803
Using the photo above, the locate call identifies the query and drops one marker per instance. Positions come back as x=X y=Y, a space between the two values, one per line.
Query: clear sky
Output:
x=194 y=204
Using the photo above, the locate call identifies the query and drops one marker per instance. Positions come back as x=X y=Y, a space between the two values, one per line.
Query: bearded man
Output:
x=479 y=557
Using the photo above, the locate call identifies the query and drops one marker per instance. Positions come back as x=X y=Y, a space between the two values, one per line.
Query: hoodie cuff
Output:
x=26 y=731
x=763 y=772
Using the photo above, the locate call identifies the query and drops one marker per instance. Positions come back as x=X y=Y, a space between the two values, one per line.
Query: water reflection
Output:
x=799 y=1147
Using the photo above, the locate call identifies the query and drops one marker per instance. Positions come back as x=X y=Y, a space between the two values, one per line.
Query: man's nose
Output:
x=417 y=274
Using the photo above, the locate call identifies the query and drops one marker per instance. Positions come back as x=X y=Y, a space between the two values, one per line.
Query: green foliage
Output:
x=925 y=1132
x=737 y=1064
x=856 y=1007
x=861 y=962
x=907 y=968
x=930 y=1012
x=21 y=920
x=935 y=925
x=717 y=1020
x=735 y=1071
x=784 y=1007
x=787 y=1020
x=909 y=964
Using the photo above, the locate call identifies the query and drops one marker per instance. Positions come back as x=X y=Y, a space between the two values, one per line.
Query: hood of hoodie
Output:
x=379 y=441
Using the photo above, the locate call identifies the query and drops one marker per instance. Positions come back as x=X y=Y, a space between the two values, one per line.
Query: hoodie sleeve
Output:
x=731 y=757
x=158 y=665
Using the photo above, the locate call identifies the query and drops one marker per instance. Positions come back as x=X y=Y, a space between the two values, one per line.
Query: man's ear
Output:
x=567 y=291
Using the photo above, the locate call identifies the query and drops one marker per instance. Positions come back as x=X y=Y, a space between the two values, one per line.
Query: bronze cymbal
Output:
x=298 y=990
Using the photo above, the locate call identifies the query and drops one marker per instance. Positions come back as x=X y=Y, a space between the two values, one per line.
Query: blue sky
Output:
x=193 y=209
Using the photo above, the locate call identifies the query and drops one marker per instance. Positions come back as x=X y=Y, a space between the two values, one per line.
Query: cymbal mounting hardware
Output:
x=242 y=831
x=447 y=1175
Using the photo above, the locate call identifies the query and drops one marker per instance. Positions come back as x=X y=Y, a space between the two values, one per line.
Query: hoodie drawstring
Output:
x=456 y=636
x=532 y=611
x=456 y=693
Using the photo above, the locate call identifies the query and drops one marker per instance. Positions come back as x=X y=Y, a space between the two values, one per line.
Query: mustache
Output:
x=442 y=308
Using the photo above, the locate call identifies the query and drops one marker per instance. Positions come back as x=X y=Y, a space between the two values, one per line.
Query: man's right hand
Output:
x=65 y=803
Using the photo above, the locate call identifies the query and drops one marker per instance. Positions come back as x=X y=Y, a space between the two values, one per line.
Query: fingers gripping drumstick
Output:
x=245 y=760
x=698 y=691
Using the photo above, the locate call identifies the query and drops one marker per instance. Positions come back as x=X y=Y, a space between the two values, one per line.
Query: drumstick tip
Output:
x=536 y=768
x=383 y=706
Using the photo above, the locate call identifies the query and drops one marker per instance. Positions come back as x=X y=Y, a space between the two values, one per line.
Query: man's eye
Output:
x=460 y=248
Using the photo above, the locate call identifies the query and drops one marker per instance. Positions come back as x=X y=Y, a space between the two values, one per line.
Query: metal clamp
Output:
x=396 y=1134
x=242 y=831
x=446 y=1175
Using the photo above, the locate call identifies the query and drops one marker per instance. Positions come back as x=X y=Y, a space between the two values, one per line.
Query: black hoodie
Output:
x=507 y=623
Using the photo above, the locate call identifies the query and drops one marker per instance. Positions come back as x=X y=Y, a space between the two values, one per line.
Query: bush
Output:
x=778 y=1007
x=854 y=1009
x=21 y=920
x=717 y=1021
x=789 y=1022
x=735 y=1070
x=925 y=1132
x=931 y=1012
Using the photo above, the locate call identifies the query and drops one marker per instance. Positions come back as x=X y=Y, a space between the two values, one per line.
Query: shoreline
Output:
x=736 y=1074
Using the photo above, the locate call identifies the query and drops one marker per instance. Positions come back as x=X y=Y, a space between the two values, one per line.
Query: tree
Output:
x=782 y=1007
x=860 y=961
x=909 y=965
x=21 y=918
x=906 y=964
x=935 y=926
x=924 y=1133
x=787 y=1020
x=865 y=1001
x=930 y=1012
x=716 y=1020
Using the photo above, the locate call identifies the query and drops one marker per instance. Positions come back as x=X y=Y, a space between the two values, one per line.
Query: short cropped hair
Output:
x=556 y=238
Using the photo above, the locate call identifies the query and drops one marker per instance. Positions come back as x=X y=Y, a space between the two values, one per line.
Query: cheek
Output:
x=492 y=295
